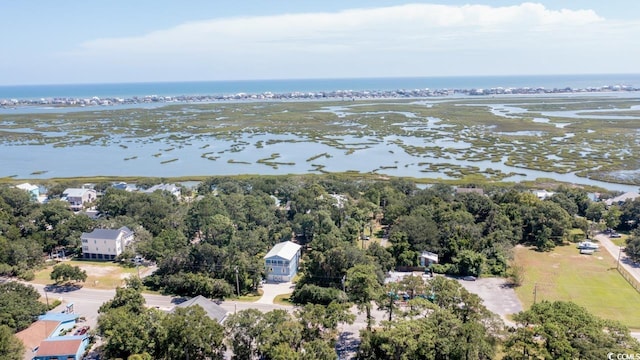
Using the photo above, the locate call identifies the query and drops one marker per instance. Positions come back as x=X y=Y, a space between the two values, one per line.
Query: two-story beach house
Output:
x=78 y=197
x=105 y=244
x=281 y=262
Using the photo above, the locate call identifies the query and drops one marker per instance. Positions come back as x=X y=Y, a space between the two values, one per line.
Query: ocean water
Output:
x=127 y=90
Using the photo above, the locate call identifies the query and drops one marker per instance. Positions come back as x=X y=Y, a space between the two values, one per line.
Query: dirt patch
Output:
x=99 y=271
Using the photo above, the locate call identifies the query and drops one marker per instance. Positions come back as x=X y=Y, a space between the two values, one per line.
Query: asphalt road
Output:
x=86 y=302
x=617 y=253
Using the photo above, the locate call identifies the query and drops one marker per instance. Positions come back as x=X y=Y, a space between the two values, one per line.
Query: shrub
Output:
x=27 y=275
x=313 y=294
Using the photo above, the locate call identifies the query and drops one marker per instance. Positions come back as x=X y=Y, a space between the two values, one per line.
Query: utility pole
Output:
x=46 y=297
x=237 y=281
x=535 y=292
x=391 y=296
x=344 y=278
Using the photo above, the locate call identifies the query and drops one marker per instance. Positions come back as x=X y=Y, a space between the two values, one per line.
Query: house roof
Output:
x=74 y=192
x=429 y=255
x=38 y=331
x=60 y=345
x=462 y=190
x=27 y=187
x=213 y=310
x=164 y=187
x=286 y=250
x=622 y=198
x=60 y=317
x=106 y=234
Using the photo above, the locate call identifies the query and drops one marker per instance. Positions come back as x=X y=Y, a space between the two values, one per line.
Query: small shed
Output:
x=427 y=258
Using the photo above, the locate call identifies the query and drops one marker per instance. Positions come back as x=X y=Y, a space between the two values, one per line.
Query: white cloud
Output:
x=362 y=42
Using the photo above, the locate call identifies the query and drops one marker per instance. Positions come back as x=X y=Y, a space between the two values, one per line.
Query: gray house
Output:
x=105 y=244
x=213 y=310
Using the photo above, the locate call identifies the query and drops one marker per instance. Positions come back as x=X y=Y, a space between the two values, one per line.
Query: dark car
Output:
x=469 y=278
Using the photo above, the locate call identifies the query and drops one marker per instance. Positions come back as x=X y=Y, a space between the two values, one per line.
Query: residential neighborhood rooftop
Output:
x=74 y=192
x=38 y=331
x=107 y=234
x=213 y=310
x=622 y=198
x=62 y=345
x=285 y=250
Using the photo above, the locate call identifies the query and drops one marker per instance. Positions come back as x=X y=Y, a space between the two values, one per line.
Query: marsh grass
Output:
x=592 y=148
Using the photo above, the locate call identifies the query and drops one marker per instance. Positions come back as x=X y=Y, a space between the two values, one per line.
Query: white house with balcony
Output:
x=281 y=262
x=78 y=197
x=105 y=244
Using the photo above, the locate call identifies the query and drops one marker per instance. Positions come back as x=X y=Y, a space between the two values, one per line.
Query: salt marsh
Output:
x=574 y=139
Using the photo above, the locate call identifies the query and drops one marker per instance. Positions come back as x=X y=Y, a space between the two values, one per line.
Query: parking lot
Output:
x=499 y=297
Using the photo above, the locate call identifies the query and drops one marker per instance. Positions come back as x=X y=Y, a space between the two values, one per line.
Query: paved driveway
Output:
x=271 y=290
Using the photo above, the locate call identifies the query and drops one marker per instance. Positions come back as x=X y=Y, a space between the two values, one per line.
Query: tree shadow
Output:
x=62 y=288
x=347 y=345
x=179 y=299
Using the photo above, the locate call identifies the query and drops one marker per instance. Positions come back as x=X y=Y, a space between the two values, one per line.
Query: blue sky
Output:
x=55 y=42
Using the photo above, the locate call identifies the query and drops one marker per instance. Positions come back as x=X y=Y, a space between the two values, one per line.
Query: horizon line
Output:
x=316 y=79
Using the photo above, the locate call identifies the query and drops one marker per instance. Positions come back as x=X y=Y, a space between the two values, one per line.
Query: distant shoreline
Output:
x=326 y=88
x=63 y=102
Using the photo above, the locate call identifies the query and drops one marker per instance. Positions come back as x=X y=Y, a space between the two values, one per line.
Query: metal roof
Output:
x=106 y=234
x=286 y=250
x=74 y=192
x=213 y=310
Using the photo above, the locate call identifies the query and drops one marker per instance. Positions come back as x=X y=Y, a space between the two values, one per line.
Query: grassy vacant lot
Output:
x=591 y=281
x=100 y=275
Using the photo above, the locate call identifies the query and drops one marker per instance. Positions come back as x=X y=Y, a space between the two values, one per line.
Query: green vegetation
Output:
x=590 y=281
x=212 y=242
x=282 y=299
x=555 y=330
x=168 y=161
x=130 y=328
x=451 y=131
x=66 y=272
x=10 y=347
x=20 y=305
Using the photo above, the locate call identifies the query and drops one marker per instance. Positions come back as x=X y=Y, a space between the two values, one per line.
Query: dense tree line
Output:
x=133 y=330
x=213 y=244
x=202 y=242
